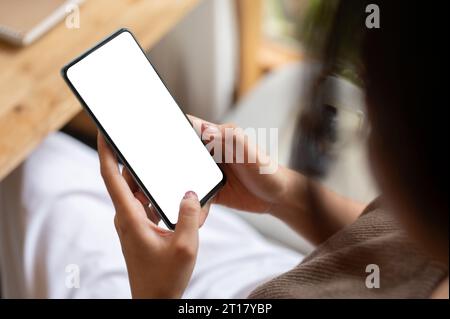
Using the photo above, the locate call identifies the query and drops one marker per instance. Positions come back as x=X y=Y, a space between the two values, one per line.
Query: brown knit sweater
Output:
x=337 y=268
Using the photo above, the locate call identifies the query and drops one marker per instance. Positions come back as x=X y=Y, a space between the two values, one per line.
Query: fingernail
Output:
x=190 y=194
x=210 y=128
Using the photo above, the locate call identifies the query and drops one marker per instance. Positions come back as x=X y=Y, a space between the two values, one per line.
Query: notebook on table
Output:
x=23 y=21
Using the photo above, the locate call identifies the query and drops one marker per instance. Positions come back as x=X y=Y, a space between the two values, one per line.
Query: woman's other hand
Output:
x=306 y=206
x=247 y=188
x=159 y=262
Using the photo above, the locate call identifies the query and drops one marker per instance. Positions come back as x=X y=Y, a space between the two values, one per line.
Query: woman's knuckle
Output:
x=102 y=171
x=105 y=174
x=230 y=125
x=116 y=222
x=184 y=250
x=189 y=207
x=120 y=224
x=124 y=224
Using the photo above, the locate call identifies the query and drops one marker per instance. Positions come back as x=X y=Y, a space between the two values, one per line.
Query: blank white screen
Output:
x=127 y=97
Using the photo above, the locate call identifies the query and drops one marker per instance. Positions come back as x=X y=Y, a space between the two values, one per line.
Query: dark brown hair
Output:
x=397 y=64
x=407 y=111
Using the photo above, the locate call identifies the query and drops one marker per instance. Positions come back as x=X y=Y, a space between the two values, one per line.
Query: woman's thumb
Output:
x=189 y=217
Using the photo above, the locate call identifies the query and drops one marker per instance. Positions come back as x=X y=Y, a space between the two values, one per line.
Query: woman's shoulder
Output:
x=339 y=266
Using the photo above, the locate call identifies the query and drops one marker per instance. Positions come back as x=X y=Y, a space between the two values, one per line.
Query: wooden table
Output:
x=34 y=99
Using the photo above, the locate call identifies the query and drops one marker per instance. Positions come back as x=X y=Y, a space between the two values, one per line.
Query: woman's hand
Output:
x=310 y=209
x=159 y=262
x=246 y=188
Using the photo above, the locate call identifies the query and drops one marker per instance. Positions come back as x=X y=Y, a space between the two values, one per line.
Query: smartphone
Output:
x=139 y=118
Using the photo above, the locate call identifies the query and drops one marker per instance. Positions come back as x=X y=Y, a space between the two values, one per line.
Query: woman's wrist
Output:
x=311 y=209
x=291 y=195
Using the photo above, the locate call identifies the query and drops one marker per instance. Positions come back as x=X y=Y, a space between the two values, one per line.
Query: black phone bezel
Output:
x=64 y=70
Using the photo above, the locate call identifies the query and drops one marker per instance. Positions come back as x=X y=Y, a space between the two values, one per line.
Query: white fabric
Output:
x=55 y=212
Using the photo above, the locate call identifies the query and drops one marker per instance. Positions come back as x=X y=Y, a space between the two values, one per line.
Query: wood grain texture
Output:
x=274 y=55
x=250 y=15
x=34 y=99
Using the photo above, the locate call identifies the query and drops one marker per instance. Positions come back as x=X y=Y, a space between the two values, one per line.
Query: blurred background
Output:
x=240 y=61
